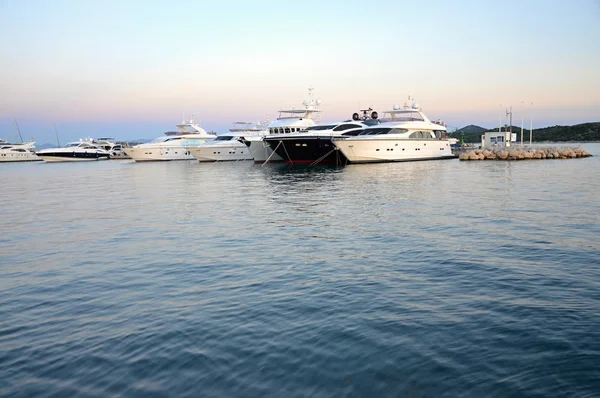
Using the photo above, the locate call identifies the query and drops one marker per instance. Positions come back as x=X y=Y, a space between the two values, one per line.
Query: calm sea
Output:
x=425 y=279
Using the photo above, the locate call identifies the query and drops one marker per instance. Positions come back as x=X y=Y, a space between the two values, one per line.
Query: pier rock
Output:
x=525 y=153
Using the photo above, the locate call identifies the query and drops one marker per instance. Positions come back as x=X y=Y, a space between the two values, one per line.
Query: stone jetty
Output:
x=525 y=153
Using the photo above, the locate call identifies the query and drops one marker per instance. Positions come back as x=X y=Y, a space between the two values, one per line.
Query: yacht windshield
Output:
x=325 y=127
x=224 y=138
x=403 y=116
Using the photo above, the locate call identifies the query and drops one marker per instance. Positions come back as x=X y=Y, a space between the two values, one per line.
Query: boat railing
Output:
x=401 y=119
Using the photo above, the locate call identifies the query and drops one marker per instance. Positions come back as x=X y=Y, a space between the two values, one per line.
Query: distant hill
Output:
x=578 y=132
x=471 y=128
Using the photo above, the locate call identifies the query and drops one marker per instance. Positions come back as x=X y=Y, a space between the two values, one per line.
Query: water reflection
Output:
x=445 y=278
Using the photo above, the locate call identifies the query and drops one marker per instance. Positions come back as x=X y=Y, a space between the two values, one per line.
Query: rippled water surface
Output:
x=425 y=279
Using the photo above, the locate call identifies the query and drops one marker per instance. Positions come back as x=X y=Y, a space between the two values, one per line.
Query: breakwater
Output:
x=525 y=153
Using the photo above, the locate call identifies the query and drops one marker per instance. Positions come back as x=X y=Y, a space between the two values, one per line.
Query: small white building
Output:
x=497 y=139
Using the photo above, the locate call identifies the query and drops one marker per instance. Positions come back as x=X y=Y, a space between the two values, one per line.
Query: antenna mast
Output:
x=531 y=125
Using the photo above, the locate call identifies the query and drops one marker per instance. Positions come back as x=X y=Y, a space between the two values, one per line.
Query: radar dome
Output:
x=396 y=107
x=318 y=102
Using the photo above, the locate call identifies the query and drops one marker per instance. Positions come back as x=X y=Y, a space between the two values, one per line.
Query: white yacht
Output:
x=17 y=152
x=116 y=149
x=289 y=121
x=74 y=152
x=175 y=146
x=228 y=147
x=405 y=135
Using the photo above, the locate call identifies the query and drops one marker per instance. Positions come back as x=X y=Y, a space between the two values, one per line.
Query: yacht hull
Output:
x=393 y=150
x=141 y=154
x=214 y=153
x=261 y=152
x=51 y=158
x=18 y=157
x=308 y=149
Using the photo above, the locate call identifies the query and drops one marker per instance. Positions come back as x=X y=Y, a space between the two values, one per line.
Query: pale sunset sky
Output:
x=130 y=69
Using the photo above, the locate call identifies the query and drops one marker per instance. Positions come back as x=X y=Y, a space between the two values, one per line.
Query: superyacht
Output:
x=405 y=135
x=289 y=121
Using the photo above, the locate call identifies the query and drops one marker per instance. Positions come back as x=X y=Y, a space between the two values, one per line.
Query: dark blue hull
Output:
x=307 y=149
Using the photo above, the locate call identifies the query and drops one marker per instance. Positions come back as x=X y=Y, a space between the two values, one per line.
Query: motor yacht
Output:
x=74 y=152
x=175 y=146
x=23 y=152
x=227 y=147
x=314 y=145
x=116 y=149
x=289 y=121
x=405 y=135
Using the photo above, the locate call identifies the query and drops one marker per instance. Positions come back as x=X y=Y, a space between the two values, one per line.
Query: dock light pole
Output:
x=522 y=112
x=531 y=125
x=509 y=129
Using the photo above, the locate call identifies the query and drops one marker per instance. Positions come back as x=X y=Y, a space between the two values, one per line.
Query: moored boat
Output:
x=77 y=151
x=289 y=121
x=405 y=135
x=227 y=147
x=116 y=149
x=175 y=146
x=23 y=152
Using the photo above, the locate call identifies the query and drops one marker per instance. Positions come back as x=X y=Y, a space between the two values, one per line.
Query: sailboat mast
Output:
x=18 y=130
x=56 y=132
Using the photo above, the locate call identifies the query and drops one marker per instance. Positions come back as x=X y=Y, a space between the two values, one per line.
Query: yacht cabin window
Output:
x=377 y=131
x=343 y=127
x=420 y=134
x=322 y=127
x=352 y=133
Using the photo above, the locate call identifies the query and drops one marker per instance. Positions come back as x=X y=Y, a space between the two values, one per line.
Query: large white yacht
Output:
x=289 y=121
x=227 y=147
x=77 y=151
x=405 y=135
x=175 y=146
x=22 y=152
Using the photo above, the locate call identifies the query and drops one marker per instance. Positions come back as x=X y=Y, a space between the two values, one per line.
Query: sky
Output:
x=133 y=69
